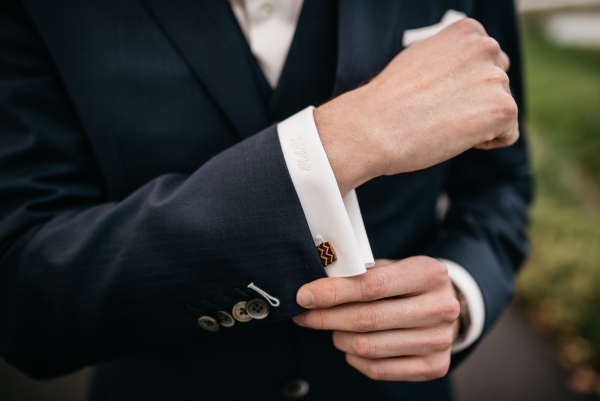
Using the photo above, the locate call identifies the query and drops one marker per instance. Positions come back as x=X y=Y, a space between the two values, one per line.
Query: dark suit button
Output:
x=258 y=308
x=295 y=389
x=224 y=318
x=240 y=312
x=208 y=323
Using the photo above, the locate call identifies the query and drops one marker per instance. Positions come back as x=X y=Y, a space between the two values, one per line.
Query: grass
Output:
x=561 y=279
x=563 y=93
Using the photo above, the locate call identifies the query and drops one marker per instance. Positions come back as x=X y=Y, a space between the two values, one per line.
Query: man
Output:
x=159 y=223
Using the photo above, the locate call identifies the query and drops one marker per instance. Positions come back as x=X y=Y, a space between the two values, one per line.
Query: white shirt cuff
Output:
x=329 y=216
x=338 y=220
x=468 y=286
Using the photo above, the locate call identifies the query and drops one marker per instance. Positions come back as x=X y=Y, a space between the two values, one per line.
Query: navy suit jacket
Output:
x=142 y=184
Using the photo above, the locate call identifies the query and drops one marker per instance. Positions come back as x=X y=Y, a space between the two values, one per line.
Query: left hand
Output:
x=396 y=322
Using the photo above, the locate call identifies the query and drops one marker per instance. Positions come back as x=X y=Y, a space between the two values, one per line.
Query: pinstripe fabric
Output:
x=142 y=185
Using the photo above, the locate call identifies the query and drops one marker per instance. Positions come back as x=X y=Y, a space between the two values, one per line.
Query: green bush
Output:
x=563 y=96
x=562 y=275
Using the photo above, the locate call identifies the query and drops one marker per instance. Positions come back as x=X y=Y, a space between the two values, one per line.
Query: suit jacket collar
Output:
x=368 y=38
x=211 y=41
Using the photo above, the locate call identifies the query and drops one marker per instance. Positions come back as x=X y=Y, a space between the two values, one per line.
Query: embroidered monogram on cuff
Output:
x=328 y=215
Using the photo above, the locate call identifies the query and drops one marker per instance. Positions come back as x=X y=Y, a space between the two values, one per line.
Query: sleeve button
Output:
x=208 y=323
x=225 y=319
x=258 y=308
x=240 y=312
x=295 y=389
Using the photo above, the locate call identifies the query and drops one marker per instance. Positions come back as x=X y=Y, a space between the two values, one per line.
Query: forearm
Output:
x=89 y=277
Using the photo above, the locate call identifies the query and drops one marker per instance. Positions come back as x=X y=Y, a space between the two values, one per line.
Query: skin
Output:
x=396 y=322
x=435 y=100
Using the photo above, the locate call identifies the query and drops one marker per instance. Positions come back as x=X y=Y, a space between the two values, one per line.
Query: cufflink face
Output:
x=326 y=253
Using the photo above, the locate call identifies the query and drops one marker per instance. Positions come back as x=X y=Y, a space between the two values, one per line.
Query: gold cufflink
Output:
x=326 y=252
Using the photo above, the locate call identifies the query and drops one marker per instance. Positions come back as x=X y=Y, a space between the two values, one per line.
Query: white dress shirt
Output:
x=269 y=27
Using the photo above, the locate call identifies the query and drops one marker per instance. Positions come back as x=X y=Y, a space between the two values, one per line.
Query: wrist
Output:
x=345 y=138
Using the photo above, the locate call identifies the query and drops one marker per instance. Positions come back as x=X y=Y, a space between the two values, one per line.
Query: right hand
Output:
x=435 y=100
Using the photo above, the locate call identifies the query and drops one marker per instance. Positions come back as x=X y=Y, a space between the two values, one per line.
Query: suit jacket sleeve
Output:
x=489 y=192
x=84 y=279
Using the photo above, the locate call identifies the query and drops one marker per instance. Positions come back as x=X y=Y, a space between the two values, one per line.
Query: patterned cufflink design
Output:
x=326 y=253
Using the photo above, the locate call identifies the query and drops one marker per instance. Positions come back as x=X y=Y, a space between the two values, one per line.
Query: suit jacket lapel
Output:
x=210 y=40
x=368 y=38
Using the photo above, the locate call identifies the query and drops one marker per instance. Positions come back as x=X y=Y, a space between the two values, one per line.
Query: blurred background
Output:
x=547 y=344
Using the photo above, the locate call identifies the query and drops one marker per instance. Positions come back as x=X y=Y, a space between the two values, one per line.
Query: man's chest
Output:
x=161 y=87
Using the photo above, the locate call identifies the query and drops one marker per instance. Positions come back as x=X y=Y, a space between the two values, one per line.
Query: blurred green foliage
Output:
x=562 y=275
x=563 y=93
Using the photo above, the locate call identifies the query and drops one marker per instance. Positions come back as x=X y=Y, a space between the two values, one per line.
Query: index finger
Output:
x=406 y=277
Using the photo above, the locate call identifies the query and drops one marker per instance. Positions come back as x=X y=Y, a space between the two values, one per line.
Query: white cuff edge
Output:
x=329 y=215
x=468 y=286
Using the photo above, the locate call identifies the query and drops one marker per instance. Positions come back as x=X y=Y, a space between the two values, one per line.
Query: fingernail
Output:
x=300 y=319
x=304 y=298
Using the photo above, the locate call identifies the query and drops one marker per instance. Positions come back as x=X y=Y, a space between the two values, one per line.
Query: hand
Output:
x=396 y=322
x=435 y=100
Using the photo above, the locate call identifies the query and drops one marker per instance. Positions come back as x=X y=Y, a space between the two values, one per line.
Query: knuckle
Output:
x=442 y=340
x=499 y=76
x=513 y=138
x=449 y=309
x=328 y=294
x=374 y=285
x=507 y=106
x=490 y=46
x=366 y=319
x=315 y=319
x=511 y=107
x=437 y=367
x=489 y=138
x=438 y=271
x=375 y=370
x=337 y=342
x=364 y=346
x=469 y=24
